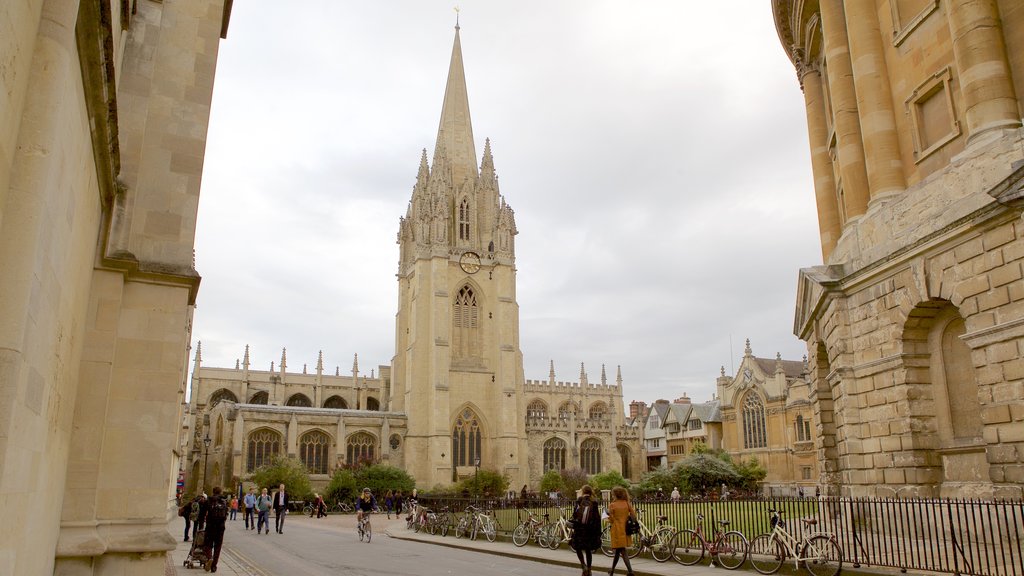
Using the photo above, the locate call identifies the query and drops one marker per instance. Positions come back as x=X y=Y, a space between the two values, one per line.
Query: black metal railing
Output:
x=965 y=537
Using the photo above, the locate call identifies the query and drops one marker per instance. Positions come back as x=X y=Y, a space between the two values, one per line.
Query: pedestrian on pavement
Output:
x=234 y=507
x=675 y=494
x=389 y=502
x=399 y=500
x=263 y=503
x=190 y=512
x=280 y=508
x=586 y=528
x=250 y=507
x=217 y=511
x=618 y=511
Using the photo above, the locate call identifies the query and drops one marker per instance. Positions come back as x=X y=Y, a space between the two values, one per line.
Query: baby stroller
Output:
x=197 y=554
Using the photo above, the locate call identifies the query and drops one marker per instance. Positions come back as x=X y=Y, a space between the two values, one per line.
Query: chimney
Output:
x=637 y=408
x=682 y=400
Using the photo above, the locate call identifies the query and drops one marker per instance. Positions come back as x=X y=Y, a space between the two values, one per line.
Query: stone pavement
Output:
x=232 y=565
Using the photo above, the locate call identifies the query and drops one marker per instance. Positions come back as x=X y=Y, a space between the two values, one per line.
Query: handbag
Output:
x=632 y=526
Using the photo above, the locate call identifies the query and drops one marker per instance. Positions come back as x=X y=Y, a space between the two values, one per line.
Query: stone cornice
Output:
x=122 y=536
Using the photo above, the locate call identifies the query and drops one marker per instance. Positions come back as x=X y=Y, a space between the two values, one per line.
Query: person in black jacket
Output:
x=280 y=508
x=216 y=516
x=586 y=532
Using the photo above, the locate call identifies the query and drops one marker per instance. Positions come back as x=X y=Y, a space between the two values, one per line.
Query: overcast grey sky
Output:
x=655 y=154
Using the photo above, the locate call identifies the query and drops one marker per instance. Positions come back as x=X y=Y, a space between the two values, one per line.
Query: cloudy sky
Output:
x=655 y=154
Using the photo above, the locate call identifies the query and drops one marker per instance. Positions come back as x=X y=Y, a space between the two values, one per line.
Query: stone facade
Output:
x=915 y=322
x=687 y=424
x=103 y=119
x=767 y=414
x=454 y=396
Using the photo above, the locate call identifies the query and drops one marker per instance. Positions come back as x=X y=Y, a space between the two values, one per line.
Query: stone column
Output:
x=845 y=121
x=339 y=446
x=829 y=226
x=874 y=101
x=989 y=99
x=293 y=436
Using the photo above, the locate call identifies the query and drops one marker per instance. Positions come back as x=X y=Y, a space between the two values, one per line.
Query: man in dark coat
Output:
x=216 y=517
x=586 y=530
x=280 y=508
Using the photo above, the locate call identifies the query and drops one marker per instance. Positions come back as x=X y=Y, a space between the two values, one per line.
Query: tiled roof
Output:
x=792 y=368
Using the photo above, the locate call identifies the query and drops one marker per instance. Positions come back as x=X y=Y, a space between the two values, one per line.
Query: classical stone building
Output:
x=103 y=121
x=915 y=322
x=454 y=397
x=767 y=414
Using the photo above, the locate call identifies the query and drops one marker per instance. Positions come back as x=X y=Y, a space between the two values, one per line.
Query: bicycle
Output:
x=728 y=549
x=364 y=528
x=554 y=533
x=529 y=529
x=438 y=522
x=341 y=507
x=819 y=552
x=478 y=521
x=658 y=541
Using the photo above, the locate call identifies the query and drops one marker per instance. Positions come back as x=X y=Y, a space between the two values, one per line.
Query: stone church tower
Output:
x=458 y=369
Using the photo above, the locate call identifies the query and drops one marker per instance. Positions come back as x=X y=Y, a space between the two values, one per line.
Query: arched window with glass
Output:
x=466 y=439
x=360 y=448
x=624 y=456
x=299 y=400
x=464 y=220
x=261 y=397
x=554 y=454
x=590 y=456
x=222 y=395
x=598 y=411
x=313 y=448
x=264 y=445
x=372 y=404
x=465 y=324
x=754 y=432
x=537 y=409
x=566 y=409
x=336 y=402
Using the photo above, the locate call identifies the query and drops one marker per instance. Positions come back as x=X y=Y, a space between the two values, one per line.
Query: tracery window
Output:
x=466 y=323
x=336 y=402
x=565 y=410
x=466 y=439
x=313 y=447
x=803 y=429
x=372 y=404
x=590 y=456
x=464 y=220
x=554 y=454
x=754 y=433
x=624 y=457
x=219 y=434
x=299 y=400
x=537 y=409
x=260 y=398
x=360 y=446
x=264 y=446
x=222 y=395
x=599 y=411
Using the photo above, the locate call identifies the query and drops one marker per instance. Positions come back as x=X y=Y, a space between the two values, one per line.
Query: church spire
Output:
x=455 y=133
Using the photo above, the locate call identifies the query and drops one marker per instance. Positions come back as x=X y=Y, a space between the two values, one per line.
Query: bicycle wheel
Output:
x=687 y=547
x=431 y=524
x=555 y=537
x=731 y=550
x=661 y=543
x=636 y=544
x=369 y=532
x=461 y=528
x=521 y=535
x=606 y=541
x=544 y=535
x=766 y=554
x=490 y=531
x=822 y=556
x=362 y=532
x=445 y=525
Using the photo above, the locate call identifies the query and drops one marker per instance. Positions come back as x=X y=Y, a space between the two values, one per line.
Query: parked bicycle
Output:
x=342 y=507
x=819 y=552
x=728 y=548
x=658 y=541
x=529 y=529
x=554 y=533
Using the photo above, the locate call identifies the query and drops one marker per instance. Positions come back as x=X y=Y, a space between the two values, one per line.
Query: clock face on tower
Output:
x=470 y=262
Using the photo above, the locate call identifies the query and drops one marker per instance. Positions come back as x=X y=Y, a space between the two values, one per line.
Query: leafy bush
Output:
x=572 y=480
x=380 y=478
x=701 y=472
x=661 y=478
x=484 y=483
x=342 y=487
x=608 y=480
x=287 y=471
x=751 y=473
x=551 y=481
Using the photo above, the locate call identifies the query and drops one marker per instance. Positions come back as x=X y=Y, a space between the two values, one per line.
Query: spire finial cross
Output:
x=456 y=8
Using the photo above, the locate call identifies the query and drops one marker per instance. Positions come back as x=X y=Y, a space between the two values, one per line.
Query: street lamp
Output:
x=476 y=477
x=206 y=458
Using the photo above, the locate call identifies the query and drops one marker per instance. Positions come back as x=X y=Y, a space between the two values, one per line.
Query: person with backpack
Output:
x=586 y=528
x=186 y=511
x=263 y=503
x=217 y=511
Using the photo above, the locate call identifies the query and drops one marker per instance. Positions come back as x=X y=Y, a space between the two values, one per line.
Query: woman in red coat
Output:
x=618 y=511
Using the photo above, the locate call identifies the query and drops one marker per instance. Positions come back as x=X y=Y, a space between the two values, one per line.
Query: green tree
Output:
x=751 y=473
x=662 y=477
x=484 y=483
x=608 y=480
x=342 y=487
x=551 y=481
x=699 y=447
x=701 y=472
x=283 y=470
x=572 y=480
x=380 y=478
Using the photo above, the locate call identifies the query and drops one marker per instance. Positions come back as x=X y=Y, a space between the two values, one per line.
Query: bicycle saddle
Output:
x=810 y=521
x=723 y=522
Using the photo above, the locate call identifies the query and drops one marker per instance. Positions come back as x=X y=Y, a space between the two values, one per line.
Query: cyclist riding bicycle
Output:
x=365 y=503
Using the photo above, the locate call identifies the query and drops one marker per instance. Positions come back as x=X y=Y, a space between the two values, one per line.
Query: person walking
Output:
x=190 y=512
x=618 y=511
x=398 y=503
x=250 y=507
x=586 y=528
x=217 y=511
x=389 y=502
x=675 y=494
x=263 y=503
x=280 y=508
x=234 y=507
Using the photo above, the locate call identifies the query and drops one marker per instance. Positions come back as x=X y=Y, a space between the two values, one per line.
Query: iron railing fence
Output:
x=965 y=537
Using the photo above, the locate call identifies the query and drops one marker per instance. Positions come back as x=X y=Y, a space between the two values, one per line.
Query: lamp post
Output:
x=476 y=475
x=206 y=457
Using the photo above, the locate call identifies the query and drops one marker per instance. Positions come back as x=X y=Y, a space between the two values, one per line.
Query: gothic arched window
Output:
x=264 y=446
x=565 y=410
x=222 y=395
x=554 y=454
x=219 y=435
x=464 y=220
x=260 y=398
x=372 y=404
x=300 y=400
x=537 y=409
x=313 y=447
x=590 y=456
x=754 y=433
x=466 y=323
x=466 y=439
x=360 y=446
x=598 y=411
x=336 y=402
x=624 y=456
